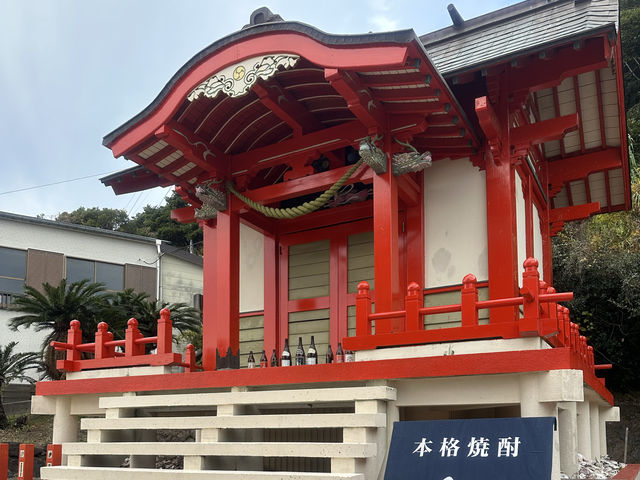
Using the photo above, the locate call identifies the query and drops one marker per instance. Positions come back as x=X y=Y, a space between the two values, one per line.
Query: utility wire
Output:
x=53 y=183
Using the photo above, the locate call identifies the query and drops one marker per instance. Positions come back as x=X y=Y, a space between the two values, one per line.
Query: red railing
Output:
x=106 y=355
x=540 y=316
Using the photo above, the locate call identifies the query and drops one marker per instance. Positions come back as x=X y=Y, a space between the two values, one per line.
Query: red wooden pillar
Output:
x=4 y=461
x=415 y=237
x=227 y=309
x=501 y=205
x=209 y=300
x=385 y=241
x=25 y=462
x=271 y=282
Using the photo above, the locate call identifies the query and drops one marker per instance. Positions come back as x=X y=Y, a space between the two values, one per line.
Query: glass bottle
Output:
x=285 y=360
x=300 y=352
x=274 y=358
x=312 y=353
x=263 y=360
x=349 y=356
x=329 y=357
x=339 y=354
x=251 y=362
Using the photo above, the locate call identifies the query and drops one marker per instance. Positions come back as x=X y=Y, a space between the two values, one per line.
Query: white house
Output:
x=34 y=251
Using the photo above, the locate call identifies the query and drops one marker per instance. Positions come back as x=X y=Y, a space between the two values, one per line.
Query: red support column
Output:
x=54 y=455
x=25 y=462
x=271 y=283
x=210 y=298
x=385 y=241
x=4 y=461
x=228 y=285
x=415 y=238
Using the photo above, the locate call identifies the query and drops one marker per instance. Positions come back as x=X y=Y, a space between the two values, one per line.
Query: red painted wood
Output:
x=271 y=284
x=603 y=137
x=342 y=324
x=4 y=461
x=363 y=310
x=385 y=239
x=630 y=472
x=184 y=214
x=210 y=298
x=228 y=282
x=556 y=106
x=413 y=302
x=451 y=288
x=439 y=366
x=525 y=136
x=25 y=461
x=622 y=119
x=414 y=235
x=577 y=212
x=530 y=325
x=567 y=62
x=576 y=94
x=501 y=225
x=468 y=301
x=302 y=186
x=359 y=99
x=356 y=58
x=581 y=166
x=210 y=158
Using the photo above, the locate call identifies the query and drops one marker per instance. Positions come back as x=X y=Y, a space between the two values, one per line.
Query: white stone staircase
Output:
x=292 y=434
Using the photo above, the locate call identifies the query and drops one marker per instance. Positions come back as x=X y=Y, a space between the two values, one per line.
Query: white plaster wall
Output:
x=73 y=243
x=521 y=228
x=455 y=205
x=251 y=269
x=180 y=280
x=537 y=241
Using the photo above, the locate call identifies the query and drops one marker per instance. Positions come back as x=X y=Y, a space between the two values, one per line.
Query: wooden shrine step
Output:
x=295 y=421
x=235 y=449
x=253 y=397
x=110 y=473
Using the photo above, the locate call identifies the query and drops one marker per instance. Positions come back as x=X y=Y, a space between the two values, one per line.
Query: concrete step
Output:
x=323 y=420
x=254 y=397
x=108 y=473
x=244 y=449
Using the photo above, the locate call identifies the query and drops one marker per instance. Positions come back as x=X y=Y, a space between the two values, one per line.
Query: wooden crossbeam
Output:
x=359 y=99
x=581 y=166
x=286 y=107
x=576 y=212
x=522 y=138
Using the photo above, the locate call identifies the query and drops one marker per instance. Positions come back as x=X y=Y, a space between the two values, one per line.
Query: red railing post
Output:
x=190 y=358
x=591 y=360
x=413 y=303
x=583 y=348
x=54 y=455
x=102 y=336
x=530 y=323
x=74 y=337
x=4 y=461
x=574 y=336
x=25 y=461
x=165 y=332
x=567 y=326
x=469 y=301
x=131 y=347
x=363 y=310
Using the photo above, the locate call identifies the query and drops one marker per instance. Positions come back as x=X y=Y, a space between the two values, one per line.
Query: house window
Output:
x=110 y=274
x=13 y=265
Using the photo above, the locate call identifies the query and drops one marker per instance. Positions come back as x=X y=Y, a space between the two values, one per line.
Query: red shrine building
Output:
x=391 y=194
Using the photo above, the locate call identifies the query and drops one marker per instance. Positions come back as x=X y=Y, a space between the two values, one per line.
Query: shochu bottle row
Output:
x=300 y=358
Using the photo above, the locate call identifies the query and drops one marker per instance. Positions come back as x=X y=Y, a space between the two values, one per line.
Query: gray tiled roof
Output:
x=526 y=26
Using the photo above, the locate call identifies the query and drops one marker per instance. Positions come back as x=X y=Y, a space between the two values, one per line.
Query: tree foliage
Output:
x=107 y=218
x=13 y=368
x=630 y=44
x=89 y=303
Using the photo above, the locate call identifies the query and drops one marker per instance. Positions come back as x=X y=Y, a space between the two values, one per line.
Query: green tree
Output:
x=53 y=310
x=630 y=44
x=106 y=218
x=129 y=304
x=14 y=368
x=156 y=222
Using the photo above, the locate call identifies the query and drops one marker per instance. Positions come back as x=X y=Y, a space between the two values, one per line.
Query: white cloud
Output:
x=380 y=19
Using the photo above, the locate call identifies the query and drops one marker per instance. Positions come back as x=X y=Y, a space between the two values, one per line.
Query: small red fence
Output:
x=105 y=349
x=536 y=313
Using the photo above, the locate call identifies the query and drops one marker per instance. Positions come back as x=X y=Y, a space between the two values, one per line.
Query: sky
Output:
x=72 y=71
